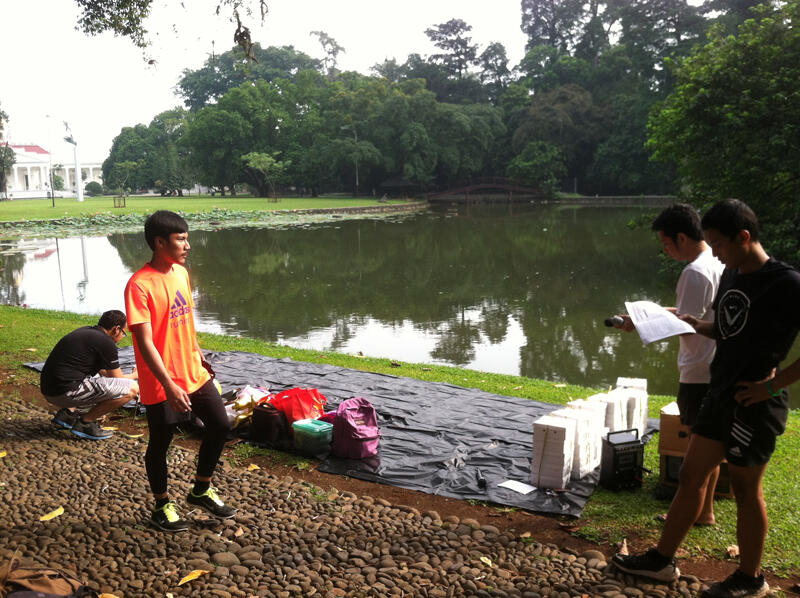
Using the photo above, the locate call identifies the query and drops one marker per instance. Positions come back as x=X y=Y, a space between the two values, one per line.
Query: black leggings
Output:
x=206 y=405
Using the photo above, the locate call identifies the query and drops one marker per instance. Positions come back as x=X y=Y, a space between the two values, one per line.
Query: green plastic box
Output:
x=312 y=437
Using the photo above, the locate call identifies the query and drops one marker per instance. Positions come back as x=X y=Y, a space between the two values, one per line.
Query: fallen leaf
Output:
x=193 y=575
x=31 y=349
x=52 y=514
x=169 y=595
x=623 y=547
x=732 y=551
x=126 y=435
x=394 y=364
x=252 y=467
x=486 y=561
x=238 y=532
x=525 y=535
x=110 y=428
x=107 y=595
x=559 y=385
x=3 y=454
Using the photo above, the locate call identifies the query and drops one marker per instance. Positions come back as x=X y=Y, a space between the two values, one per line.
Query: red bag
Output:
x=299 y=403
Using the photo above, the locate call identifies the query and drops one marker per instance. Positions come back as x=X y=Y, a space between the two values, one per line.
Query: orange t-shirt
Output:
x=165 y=301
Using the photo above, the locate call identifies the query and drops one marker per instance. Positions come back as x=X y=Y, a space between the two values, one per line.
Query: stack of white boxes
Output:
x=588 y=433
x=553 y=450
x=635 y=402
x=568 y=442
x=616 y=413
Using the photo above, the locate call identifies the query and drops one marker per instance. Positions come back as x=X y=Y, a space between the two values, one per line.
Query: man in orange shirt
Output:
x=173 y=377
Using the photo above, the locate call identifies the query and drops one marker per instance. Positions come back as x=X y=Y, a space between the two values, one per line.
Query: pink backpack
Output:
x=355 y=430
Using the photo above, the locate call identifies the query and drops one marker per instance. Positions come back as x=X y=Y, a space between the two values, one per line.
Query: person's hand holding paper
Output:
x=654 y=322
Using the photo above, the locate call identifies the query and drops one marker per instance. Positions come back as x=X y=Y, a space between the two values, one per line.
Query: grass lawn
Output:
x=42 y=209
x=28 y=335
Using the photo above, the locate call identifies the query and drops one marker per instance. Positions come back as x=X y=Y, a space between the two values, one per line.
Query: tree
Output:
x=7 y=156
x=567 y=118
x=263 y=171
x=216 y=139
x=122 y=172
x=219 y=74
x=494 y=73
x=459 y=51
x=331 y=49
x=126 y=17
x=134 y=145
x=541 y=165
x=653 y=30
x=731 y=124
x=554 y=23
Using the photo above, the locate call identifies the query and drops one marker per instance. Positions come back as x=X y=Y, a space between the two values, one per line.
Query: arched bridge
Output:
x=473 y=186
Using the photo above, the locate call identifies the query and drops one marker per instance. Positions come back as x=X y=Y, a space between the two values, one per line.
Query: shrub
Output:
x=93 y=188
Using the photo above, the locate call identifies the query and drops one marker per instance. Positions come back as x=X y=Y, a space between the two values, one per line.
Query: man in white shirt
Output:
x=678 y=229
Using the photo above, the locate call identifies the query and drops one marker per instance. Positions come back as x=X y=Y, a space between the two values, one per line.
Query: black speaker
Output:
x=622 y=460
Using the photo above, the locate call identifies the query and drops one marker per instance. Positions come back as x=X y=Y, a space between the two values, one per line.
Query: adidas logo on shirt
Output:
x=179 y=307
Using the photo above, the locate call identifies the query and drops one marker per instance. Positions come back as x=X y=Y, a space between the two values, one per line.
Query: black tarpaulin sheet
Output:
x=437 y=438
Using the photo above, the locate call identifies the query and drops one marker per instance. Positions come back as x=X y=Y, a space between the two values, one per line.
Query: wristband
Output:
x=772 y=393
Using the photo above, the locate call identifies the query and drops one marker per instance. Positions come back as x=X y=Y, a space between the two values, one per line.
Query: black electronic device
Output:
x=622 y=460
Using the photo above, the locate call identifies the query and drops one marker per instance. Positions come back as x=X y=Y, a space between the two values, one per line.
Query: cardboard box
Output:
x=673 y=438
x=670 y=467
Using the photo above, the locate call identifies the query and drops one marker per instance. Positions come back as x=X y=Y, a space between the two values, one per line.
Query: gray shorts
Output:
x=93 y=390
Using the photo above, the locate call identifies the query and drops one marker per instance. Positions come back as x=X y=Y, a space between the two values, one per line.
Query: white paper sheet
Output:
x=653 y=322
x=520 y=487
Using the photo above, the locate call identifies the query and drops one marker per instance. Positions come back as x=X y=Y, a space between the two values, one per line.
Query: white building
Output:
x=30 y=175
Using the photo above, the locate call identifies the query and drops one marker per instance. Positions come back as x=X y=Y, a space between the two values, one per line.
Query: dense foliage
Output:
x=572 y=115
x=732 y=124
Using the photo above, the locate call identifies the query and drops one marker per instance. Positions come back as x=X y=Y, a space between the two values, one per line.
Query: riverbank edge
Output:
x=29 y=335
x=193 y=215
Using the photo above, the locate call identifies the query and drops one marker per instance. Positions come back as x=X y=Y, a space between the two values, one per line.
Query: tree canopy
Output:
x=576 y=107
x=732 y=123
x=127 y=17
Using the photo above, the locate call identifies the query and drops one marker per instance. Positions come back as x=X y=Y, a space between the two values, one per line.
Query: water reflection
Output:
x=512 y=292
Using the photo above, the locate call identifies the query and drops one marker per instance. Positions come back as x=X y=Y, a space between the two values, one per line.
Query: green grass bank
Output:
x=28 y=335
x=42 y=209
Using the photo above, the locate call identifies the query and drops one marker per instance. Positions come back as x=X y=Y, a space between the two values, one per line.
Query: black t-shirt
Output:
x=756 y=321
x=81 y=353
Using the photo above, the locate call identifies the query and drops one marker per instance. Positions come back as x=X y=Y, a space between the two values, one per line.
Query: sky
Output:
x=52 y=74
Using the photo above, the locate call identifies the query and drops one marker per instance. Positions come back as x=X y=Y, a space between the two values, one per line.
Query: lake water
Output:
x=509 y=289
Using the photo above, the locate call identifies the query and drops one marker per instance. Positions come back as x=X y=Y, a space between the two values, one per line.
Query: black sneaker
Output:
x=738 y=585
x=166 y=518
x=211 y=502
x=92 y=430
x=650 y=564
x=65 y=418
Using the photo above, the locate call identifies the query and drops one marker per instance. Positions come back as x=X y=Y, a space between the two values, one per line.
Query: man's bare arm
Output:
x=704 y=327
x=756 y=392
x=117 y=373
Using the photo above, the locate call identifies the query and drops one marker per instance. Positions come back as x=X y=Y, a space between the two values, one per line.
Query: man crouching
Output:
x=82 y=374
